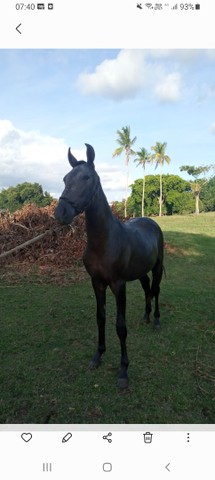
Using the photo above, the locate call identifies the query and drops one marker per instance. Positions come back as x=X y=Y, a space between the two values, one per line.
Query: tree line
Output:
x=177 y=197
x=13 y=198
x=161 y=195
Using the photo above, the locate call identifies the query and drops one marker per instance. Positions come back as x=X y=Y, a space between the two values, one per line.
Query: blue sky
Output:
x=52 y=99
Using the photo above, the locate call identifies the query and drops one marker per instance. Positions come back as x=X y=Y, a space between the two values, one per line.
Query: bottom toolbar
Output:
x=111 y=454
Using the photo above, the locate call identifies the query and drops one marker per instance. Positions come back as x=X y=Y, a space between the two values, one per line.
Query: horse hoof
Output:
x=157 y=327
x=94 y=364
x=146 y=319
x=122 y=383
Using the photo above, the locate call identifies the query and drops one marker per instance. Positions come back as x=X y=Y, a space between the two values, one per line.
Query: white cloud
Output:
x=29 y=156
x=131 y=72
x=169 y=88
x=118 y=78
x=112 y=177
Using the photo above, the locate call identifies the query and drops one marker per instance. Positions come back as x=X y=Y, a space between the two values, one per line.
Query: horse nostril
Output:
x=59 y=211
x=64 y=212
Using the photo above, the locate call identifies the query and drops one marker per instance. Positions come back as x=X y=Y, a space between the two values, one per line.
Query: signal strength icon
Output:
x=149 y=5
x=175 y=7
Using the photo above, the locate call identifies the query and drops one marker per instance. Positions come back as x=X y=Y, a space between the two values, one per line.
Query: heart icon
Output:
x=26 y=437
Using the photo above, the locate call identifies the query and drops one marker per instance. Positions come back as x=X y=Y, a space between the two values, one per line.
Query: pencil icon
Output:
x=67 y=437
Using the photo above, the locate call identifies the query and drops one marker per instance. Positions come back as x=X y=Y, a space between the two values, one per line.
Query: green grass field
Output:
x=49 y=333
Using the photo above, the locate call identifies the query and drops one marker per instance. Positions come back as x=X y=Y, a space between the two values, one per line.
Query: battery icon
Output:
x=41 y=6
x=197 y=6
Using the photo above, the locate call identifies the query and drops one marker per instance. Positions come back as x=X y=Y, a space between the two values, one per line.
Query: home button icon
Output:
x=107 y=467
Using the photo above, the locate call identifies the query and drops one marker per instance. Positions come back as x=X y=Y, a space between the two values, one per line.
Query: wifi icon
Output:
x=149 y=5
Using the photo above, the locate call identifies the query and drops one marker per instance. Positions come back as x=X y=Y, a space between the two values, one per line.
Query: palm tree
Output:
x=142 y=158
x=159 y=158
x=125 y=143
x=198 y=183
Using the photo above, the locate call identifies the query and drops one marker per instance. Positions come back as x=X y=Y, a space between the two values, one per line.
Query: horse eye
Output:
x=86 y=177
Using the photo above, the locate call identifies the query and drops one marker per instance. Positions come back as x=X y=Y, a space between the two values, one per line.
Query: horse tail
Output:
x=164 y=271
x=159 y=269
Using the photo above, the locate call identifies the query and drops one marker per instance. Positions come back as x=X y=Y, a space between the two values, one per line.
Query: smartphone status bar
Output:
x=63 y=24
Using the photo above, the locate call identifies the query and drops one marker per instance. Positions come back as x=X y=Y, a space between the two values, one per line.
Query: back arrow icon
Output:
x=17 y=28
x=168 y=464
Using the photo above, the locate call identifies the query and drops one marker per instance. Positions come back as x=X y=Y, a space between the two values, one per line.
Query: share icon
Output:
x=105 y=437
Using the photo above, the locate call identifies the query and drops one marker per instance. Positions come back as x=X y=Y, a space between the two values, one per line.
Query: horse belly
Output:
x=139 y=266
x=146 y=245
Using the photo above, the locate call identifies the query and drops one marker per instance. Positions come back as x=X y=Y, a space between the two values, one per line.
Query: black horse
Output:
x=116 y=251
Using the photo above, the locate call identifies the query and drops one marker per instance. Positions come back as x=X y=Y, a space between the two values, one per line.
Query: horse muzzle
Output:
x=64 y=212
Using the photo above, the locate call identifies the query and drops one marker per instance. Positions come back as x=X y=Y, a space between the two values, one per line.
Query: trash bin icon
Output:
x=148 y=437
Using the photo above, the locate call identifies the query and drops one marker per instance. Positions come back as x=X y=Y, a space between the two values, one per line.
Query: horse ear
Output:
x=72 y=159
x=90 y=154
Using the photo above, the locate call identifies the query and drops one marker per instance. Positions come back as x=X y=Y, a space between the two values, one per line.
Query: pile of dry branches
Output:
x=46 y=242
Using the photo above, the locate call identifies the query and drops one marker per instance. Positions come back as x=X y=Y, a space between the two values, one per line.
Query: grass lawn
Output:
x=49 y=333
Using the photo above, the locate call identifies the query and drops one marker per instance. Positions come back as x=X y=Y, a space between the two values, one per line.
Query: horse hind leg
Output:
x=155 y=291
x=145 y=282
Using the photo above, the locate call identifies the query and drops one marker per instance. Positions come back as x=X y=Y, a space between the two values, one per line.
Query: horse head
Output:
x=80 y=186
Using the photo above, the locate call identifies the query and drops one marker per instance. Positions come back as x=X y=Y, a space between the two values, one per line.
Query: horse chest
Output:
x=97 y=265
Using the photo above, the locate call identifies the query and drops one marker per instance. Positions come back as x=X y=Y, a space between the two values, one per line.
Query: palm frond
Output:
x=124 y=140
x=118 y=151
x=142 y=157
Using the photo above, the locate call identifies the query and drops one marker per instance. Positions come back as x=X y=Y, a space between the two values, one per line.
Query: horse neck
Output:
x=99 y=218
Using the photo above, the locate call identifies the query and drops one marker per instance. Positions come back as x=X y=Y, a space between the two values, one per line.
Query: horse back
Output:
x=146 y=231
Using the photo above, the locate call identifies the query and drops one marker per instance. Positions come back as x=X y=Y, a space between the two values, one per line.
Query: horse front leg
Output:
x=120 y=294
x=100 y=293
